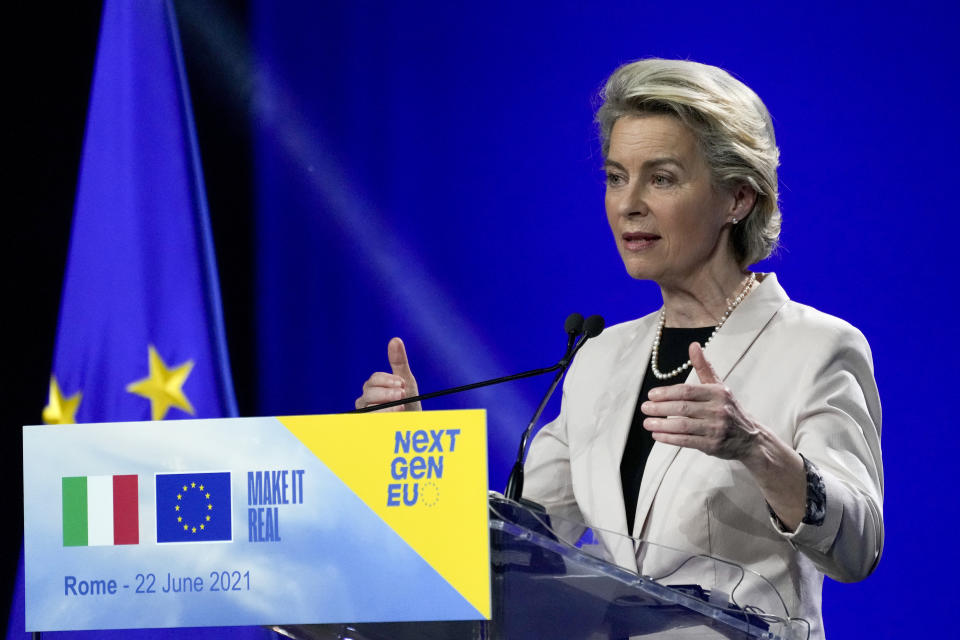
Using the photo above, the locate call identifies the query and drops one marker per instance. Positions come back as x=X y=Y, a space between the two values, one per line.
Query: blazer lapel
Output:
x=613 y=425
x=743 y=326
x=725 y=350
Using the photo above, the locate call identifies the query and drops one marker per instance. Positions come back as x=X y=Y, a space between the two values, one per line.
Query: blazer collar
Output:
x=725 y=350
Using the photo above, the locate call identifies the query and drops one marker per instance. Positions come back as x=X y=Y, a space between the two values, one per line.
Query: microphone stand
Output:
x=514 y=489
x=591 y=328
x=466 y=387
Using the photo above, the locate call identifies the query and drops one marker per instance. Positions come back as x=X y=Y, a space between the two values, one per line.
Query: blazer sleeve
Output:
x=838 y=428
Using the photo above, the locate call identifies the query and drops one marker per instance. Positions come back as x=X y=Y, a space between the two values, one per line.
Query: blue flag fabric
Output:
x=141 y=271
x=193 y=507
x=140 y=333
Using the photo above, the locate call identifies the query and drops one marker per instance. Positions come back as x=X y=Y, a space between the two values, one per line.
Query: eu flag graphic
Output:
x=193 y=507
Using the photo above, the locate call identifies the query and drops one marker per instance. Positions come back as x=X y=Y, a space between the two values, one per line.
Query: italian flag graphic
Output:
x=100 y=510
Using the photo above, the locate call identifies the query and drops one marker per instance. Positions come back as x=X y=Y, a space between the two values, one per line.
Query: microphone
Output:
x=592 y=327
x=574 y=326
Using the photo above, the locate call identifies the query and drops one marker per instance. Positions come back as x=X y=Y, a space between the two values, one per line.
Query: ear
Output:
x=744 y=197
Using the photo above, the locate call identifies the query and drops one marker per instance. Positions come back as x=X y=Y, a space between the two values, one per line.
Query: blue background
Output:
x=432 y=172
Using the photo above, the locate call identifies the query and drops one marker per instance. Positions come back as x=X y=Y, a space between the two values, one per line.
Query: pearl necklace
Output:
x=748 y=283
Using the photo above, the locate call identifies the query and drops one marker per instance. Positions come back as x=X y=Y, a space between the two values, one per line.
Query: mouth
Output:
x=638 y=241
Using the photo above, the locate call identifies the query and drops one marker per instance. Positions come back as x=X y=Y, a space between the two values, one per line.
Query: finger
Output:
x=385 y=380
x=692 y=392
x=379 y=395
x=681 y=440
x=362 y=403
x=684 y=408
x=397 y=355
x=676 y=426
x=701 y=365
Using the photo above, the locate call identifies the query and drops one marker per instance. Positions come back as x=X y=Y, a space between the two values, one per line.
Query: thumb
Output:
x=399 y=364
x=701 y=365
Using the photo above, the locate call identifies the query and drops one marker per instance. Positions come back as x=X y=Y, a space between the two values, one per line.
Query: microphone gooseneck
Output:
x=574 y=328
x=452 y=390
x=591 y=327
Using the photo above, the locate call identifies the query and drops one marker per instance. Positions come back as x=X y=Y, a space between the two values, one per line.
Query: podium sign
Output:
x=257 y=521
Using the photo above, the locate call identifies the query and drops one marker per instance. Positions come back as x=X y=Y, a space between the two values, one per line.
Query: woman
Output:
x=733 y=421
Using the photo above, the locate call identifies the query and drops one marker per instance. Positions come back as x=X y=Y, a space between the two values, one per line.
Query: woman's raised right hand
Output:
x=385 y=387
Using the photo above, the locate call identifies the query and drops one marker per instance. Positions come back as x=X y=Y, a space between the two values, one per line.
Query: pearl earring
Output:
x=734 y=221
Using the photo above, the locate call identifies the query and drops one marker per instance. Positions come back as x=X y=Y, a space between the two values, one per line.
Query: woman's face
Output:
x=668 y=221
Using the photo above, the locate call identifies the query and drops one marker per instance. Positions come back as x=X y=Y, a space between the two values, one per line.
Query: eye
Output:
x=615 y=179
x=662 y=179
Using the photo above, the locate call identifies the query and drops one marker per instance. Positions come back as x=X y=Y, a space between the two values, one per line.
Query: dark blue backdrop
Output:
x=432 y=172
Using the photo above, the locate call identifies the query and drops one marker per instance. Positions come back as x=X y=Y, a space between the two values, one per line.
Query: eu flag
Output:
x=193 y=507
x=140 y=334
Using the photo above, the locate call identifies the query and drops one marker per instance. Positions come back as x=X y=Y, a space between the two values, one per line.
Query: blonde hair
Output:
x=732 y=126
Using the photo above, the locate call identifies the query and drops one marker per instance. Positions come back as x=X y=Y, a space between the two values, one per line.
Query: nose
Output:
x=628 y=201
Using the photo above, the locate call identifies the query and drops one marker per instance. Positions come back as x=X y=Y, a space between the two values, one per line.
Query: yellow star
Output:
x=60 y=410
x=201 y=489
x=209 y=506
x=201 y=525
x=179 y=518
x=164 y=386
x=176 y=508
x=179 y=496
x=184 y=527
x=208 y=518
x=184 y=487
x=208 y=496
x=193 y=485
x=193 y=530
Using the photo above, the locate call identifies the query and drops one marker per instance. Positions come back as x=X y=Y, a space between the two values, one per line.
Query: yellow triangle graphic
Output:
x=425 y=474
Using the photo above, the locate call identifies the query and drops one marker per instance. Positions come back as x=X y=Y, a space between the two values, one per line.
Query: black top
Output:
x=674 y=345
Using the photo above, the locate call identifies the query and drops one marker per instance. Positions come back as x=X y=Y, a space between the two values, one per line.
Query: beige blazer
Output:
x=805 y=375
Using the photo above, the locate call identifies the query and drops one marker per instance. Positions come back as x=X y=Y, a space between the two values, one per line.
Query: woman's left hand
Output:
x=707 y=417
x=702 y=416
